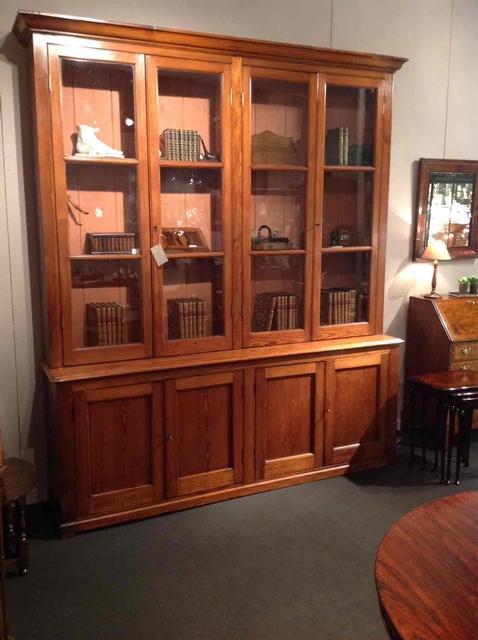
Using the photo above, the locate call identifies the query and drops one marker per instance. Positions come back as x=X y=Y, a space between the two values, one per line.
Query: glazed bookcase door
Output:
x=348 y=230
x=189 y=104
x=100 y=165
x=278 y=201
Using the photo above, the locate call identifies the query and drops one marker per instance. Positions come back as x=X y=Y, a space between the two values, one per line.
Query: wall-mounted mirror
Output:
x=447 y=206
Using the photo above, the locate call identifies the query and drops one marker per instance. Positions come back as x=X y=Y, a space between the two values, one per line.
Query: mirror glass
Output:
x=446 y=207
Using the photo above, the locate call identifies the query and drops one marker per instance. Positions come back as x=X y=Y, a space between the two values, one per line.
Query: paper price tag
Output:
x=159 y=254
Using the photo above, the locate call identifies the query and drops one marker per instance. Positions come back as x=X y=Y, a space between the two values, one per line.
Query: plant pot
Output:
x=474 y=287
x=463 y=288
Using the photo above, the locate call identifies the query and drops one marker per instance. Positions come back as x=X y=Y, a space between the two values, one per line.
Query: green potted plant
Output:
x=463 y=284
x=473 y=284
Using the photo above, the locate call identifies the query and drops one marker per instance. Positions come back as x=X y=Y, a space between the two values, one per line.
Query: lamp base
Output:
x=433 y=294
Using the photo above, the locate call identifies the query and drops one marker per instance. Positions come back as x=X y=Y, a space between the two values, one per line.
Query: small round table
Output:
x=426 y=571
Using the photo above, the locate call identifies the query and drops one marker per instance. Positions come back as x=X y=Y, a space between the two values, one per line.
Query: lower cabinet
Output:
x=119 y=452
x=289 y=419
x=204 y=433
x=161 y=442
x=358 y=411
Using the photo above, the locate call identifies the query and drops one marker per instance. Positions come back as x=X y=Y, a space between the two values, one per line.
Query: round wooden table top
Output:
x=426 y=571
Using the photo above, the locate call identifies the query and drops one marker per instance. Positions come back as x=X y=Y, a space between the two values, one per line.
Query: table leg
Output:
x=451 y=433
x=411 y=422
x=442 y=425
x=22 y=542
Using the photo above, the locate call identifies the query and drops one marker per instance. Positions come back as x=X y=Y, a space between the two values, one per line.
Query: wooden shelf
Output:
x=107 y=256
x=81 y=160
x=188 y=164
x=279 y=167
x=193 y=254
x=357 y=249
x=280 y=252
x=349 y=167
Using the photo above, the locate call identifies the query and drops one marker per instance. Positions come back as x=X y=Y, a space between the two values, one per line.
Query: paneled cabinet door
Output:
x=289 y=419
x=357 y=392
x=119 y=448
x=204 y=433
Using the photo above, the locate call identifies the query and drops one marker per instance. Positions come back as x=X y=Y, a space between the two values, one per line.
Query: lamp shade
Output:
x=436 y=250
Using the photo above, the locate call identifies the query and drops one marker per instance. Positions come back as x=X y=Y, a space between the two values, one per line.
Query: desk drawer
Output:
x=464 y=351
x=468 y=365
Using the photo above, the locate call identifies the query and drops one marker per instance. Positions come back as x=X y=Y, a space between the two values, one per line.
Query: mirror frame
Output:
x=426 y=167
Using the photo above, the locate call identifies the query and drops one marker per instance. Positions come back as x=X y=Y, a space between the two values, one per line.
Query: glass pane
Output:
x=348 y=206
x=450 y=202
x=277 y=293
x=102 y=209
x=350 y=125
x=106 y=302
x=97 y=104
x=189 y=108
x=191 y=209
x=277 y=210
x=279 y=114
x=193 y=298
x=345 y=288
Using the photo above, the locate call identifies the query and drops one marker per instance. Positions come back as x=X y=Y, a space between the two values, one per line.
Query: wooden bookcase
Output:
x=253 y=357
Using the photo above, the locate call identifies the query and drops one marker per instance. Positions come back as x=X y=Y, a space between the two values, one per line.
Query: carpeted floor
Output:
x=292 y=564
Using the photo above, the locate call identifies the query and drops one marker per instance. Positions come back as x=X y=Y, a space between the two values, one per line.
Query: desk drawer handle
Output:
x=472 y=302
x=466 y=351
x=465 y=367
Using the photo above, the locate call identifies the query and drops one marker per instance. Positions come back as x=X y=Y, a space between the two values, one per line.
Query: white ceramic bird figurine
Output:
x=87 y=144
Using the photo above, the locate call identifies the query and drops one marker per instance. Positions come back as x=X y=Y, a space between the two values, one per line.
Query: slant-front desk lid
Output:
x=459 y=317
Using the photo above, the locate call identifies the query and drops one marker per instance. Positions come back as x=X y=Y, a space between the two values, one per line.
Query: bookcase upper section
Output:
x=199 y=193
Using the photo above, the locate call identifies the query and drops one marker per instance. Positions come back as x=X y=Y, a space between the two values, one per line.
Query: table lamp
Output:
x=435 y=250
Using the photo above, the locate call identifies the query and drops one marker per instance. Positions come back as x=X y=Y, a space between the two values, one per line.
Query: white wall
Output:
x=435 y=106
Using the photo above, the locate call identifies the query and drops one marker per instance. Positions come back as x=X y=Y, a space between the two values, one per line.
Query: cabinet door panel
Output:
x=357 y=399
x=204 y=425
x=119 y=448
x=289 y=419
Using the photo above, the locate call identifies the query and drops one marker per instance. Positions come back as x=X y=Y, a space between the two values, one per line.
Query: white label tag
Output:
x=159 y=254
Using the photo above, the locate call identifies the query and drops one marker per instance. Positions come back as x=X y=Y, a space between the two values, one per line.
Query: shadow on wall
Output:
x=32 y=418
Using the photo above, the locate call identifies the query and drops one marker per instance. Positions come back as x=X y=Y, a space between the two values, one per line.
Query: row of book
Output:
x=338 y=306
x=110 y=242
x=188 y=318
x=180 y=144
x=106 y=323
x=274 y=311
x=338 y=151
x=337 y=146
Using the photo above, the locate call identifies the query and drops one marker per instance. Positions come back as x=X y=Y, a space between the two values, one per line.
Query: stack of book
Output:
x=275 y=311
x=180 y=144
x=338 y=306
x=337 y=146
x=106 y=323
x=188 y=318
